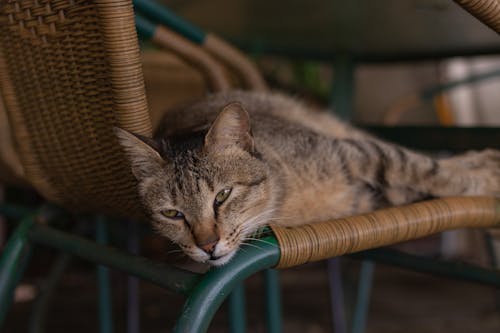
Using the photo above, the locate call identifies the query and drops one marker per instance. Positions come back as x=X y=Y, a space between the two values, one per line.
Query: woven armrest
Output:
x=323 y=240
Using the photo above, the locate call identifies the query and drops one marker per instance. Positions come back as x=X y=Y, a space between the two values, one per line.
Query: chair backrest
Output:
x=70 y=70
x=11 y=169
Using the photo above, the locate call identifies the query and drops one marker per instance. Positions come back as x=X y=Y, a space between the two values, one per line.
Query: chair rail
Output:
x=319 y=241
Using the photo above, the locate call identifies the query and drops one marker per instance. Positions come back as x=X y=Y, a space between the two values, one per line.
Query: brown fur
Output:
x=285 y=165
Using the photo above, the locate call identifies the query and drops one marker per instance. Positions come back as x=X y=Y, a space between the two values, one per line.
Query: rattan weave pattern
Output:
x=65 y=88
x=11 y=169
x=37 y=20
x=324 y=240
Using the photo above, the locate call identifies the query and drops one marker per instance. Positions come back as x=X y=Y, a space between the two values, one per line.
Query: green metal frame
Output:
x=236 y=312
x=363 y=297
x=11 y=264
x=159 y=13
x=273 y=301
x=145 y=28
x=217 y=284
x=174 y=279
x=105 y=308
x=204 y=293
x=448 y=269
x=149 y=15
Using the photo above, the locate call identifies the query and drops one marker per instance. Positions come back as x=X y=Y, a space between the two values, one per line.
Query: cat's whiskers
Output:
x=249 y=244
x=257 y=221
x=242 y=249
x=260 y=240
x=261 y=220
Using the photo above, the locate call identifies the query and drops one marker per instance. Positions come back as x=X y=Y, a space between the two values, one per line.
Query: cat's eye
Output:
x=222 y=196
x=172 y=214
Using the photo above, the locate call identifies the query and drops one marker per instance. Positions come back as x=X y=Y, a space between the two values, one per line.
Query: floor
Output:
x=402 y=301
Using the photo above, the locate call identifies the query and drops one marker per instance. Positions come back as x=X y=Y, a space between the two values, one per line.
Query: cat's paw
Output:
x=480 y=171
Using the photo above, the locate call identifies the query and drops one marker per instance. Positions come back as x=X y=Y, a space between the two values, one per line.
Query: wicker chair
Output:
x=69 y=72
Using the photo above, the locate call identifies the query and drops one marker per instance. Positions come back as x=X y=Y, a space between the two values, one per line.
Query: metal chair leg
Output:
x=133 y=245
x=12 y=264
x=336 y=296
x=236 y=309
x=105 y=307
x=363 y=298
x=273 y=301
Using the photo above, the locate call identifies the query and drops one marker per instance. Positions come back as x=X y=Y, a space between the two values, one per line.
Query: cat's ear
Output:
x=142 y=153
x=230 y=129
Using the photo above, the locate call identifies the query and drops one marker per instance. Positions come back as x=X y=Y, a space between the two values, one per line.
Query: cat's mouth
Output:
x=221 y=260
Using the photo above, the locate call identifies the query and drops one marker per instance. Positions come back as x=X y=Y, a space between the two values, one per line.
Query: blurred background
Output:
x=386 y=62
x=398 y=49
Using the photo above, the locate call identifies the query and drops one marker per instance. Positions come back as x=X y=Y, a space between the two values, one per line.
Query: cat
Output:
x=221 y=168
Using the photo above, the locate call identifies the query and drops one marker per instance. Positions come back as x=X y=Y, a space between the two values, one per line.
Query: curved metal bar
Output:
x=11 y=263
x=160 y=13
x=216 y=285
x=15 y=211
x=168 y=277
x=145 y=28
x=215 y=45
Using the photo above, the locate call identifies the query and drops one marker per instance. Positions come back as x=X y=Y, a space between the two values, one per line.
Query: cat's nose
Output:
x=209 y=246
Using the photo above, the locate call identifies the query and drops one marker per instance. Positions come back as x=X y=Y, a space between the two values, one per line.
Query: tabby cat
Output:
x=218 y=170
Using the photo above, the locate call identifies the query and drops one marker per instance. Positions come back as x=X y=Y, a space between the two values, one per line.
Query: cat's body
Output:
x=280 y=163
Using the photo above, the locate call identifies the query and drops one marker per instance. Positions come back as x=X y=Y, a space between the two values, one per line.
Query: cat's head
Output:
x=208 y=191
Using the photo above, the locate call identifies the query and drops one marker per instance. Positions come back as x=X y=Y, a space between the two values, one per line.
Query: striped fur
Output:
x=286 y=164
